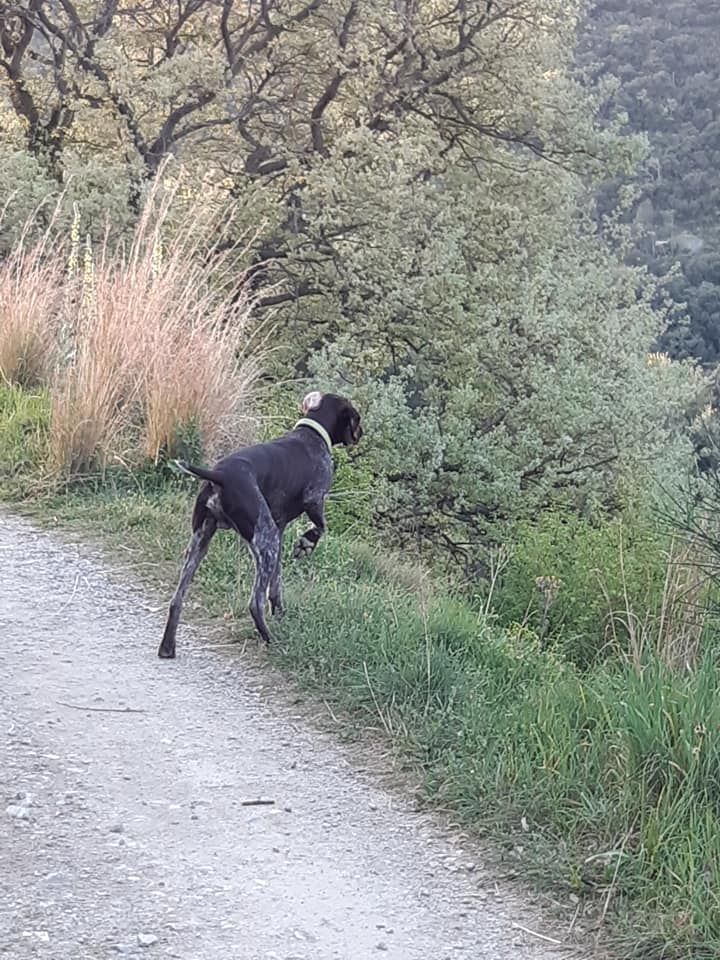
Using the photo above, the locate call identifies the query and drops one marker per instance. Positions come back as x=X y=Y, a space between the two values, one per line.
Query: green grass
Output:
x=602 y=783
x=24 y=422
x=602 y=567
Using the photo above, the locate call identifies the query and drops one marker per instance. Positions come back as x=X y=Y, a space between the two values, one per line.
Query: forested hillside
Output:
x=666 y=59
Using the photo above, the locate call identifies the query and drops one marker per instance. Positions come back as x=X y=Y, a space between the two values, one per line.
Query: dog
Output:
x=257 y=491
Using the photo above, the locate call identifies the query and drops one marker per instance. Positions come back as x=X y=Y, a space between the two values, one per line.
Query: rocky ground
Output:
x=128 y=822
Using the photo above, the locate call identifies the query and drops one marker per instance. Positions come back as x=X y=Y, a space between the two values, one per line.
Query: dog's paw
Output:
x=303 y=548
x=277 y=608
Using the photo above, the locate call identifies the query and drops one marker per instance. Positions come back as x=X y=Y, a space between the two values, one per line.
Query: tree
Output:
x=665 y=60
x=256 y=95
x=416 y=177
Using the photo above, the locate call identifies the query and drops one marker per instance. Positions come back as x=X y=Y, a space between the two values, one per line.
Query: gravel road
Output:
x=124 y=827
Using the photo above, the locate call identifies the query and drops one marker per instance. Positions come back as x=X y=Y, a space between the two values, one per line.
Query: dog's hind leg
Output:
x=265 y=548
x=275 y=590
x=196 y=550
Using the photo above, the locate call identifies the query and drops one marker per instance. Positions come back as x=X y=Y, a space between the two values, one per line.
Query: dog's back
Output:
x=283 y=471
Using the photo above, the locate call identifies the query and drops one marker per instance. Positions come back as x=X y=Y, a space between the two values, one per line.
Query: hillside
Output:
x=666 y=58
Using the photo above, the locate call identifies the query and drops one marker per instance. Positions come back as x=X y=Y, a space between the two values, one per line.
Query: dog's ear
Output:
x=350 y=426
x=311 y=401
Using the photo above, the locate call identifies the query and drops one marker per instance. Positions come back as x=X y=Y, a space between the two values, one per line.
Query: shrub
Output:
x=584 y=584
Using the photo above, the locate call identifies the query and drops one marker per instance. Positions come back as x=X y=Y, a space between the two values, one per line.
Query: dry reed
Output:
x=163 y=348
x=31 y=282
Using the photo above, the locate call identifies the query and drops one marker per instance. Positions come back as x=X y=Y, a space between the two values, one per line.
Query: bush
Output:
x=585 y=585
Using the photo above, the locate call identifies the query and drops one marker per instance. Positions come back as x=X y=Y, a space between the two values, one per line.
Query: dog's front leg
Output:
x=309 y=540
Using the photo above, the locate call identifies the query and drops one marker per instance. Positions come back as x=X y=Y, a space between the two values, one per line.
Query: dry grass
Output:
x=685 y=608
x=94 y=395
x=31 y=287
x=146 y=351
x=672 y=634
x=162 y=348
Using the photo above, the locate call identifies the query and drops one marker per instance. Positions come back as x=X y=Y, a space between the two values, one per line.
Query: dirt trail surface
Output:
x=125 y=834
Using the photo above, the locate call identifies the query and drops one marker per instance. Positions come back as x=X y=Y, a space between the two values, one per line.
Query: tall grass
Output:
x=609 y=586
x=147 y=350
x=31 y=290
x=682 y=617
x=164 y=358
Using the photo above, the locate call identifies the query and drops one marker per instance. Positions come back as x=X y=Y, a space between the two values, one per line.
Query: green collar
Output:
x=318 y=428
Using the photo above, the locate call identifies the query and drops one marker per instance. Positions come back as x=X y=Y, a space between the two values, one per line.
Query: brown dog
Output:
x=259 y=490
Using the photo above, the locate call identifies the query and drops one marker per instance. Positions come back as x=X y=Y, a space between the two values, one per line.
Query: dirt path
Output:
x=124 y=834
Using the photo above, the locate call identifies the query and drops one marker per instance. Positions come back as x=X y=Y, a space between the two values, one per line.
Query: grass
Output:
x=144 y=352
x=24 y=437
x=608 y=586
x=599 y=782
x=31 y=293
x=602 y=784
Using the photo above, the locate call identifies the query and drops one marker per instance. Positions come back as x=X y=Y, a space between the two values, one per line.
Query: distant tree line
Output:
x=666 y=59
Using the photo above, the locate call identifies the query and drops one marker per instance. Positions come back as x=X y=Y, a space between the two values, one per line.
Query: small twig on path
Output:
x=72 y=596
x=330 y=711
x=574 y=919
x=257 y=803
x=217 y=646
x=80 y=706
x=534 y=933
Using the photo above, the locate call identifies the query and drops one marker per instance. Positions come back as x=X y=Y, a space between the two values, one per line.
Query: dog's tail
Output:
x=212 y=475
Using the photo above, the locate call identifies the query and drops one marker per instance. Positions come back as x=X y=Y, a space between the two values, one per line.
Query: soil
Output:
x=129 y=825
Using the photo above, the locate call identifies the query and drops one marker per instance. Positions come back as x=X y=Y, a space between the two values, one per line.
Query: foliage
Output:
x=517 y=409
x=696 y=519
x=603 y=784
x=587 y=586
x=666 y=71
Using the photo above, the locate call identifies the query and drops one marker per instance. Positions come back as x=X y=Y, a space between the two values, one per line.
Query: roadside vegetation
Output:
x=211 y=208
x=563 y=704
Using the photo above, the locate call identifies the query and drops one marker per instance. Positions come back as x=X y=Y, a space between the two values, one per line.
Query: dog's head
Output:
x=336 y=414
